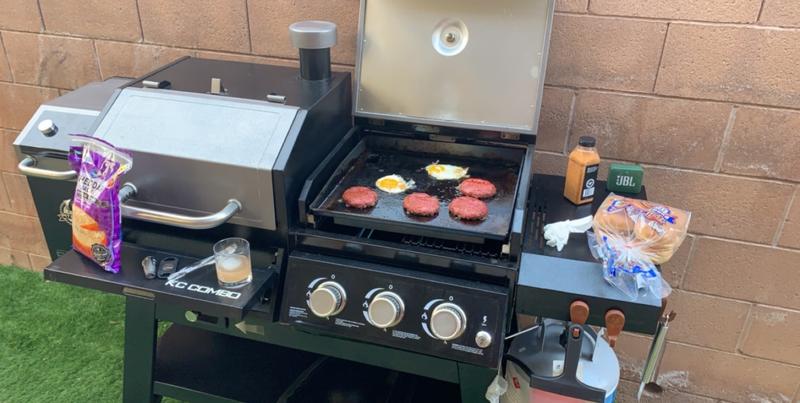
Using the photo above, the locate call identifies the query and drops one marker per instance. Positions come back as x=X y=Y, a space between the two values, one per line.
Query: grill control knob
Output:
x=448 y=321
x=483 y=339
x=47 y=127
x=386 y=310
x=327 y=299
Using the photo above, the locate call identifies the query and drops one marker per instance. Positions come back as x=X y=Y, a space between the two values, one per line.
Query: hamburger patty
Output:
x=421 y=204
x=360 y=197
x=468 y=208
x=477 y=188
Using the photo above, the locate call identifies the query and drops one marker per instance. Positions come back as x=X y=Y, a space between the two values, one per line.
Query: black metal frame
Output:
x=142 y=385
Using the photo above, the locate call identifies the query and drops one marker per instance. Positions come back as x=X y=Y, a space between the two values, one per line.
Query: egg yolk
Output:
x=389 y=183
x=435 y=169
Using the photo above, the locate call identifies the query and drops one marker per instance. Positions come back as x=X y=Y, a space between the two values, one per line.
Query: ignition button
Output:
x=483 y=339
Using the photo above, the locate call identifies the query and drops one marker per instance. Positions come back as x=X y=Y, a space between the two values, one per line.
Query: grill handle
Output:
x=128 y=190
x=28 y=167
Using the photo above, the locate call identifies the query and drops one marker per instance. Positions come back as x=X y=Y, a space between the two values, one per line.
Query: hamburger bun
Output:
x=658 y=229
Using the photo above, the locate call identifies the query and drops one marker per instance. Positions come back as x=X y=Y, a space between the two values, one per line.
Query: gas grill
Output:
x=436 y=285
x=225 y=149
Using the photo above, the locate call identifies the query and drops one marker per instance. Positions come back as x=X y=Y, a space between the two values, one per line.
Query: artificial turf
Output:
x=58 y=343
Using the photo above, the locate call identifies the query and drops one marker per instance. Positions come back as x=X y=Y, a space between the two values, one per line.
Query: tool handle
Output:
x=192 y=267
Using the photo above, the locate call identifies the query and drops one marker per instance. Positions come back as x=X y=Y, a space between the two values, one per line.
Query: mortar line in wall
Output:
x=567 y=13
x=570 y=121
x=786 y=212
x=686 y=266
x=139 y=18
x=646 y=394
x=683 y=343
x=726 y=134
x=5 y=54
x=692 y=170
x=96 y=60
x=682 y=21
x=760 y=10
x=170 y=46
x=742 y=301
x=745 y=330
x=661 y=57
x=249 y=31
x=348 y=66
x=41 y=15
x=748 y=243
x=15 y=214
x=668 y=96
x=772 y=360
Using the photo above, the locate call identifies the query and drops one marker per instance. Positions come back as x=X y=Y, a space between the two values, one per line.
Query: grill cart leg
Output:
x=140 y=350
x=473 y=382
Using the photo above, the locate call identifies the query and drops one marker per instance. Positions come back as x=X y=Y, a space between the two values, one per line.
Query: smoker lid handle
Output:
x=178 y=220
x=28 y=167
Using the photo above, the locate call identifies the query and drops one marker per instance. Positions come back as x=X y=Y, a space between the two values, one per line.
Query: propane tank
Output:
x=560 y=362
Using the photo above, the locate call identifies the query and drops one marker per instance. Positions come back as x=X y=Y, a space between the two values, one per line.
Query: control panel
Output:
x=397 y=307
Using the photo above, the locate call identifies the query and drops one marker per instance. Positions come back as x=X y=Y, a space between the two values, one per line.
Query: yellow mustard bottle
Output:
x=584 y=162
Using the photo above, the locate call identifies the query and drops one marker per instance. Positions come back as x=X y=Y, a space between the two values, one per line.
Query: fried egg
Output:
x=446 y=172
x=394 y=184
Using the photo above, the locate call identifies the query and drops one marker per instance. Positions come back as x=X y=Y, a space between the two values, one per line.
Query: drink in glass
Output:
x=232 y=258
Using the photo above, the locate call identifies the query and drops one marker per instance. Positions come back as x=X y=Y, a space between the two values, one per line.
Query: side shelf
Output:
x=549 y=280
x=548 y=285
x=196 y=291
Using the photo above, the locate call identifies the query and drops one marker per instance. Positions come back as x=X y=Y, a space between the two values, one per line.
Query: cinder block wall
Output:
x=705 y=94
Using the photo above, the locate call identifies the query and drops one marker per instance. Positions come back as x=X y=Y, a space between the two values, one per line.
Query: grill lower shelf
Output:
x=194 y=363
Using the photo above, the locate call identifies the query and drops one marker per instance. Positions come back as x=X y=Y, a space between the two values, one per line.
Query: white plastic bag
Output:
x=632 y=236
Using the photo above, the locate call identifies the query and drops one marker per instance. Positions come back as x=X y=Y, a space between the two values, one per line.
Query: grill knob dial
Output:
x=386 y=310
x=448 y=321
x=327 y=300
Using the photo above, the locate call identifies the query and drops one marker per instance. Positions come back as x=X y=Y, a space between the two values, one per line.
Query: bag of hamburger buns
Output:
x=96 y=217
x=633 y=236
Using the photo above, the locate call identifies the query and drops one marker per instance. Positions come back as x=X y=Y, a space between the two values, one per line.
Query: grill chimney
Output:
x=314 y=39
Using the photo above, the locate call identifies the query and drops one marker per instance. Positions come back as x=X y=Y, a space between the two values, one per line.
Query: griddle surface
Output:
x=374 y=158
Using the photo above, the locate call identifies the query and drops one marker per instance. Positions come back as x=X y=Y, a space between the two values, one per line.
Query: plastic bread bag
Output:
x=632 y=236
x=96 y=216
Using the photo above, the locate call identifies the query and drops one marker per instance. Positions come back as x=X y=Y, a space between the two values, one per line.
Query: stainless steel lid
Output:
x=462 y=63
x=195 y=152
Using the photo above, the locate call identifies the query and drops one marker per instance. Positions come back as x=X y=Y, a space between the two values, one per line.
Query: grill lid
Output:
x=194 y=152
x=461 y=63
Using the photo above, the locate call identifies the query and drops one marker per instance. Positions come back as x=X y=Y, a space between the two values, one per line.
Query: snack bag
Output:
x=96 y=217
x=633 y=236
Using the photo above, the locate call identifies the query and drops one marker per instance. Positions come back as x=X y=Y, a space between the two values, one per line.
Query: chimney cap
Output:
x=313 y=34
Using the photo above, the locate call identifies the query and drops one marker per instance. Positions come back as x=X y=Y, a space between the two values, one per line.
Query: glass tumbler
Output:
x=232 y=258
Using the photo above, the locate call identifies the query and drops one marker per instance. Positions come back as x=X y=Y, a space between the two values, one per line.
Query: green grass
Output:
x=58 y=343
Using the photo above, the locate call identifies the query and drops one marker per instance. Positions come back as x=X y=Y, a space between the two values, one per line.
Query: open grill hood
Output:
x=461 y=63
